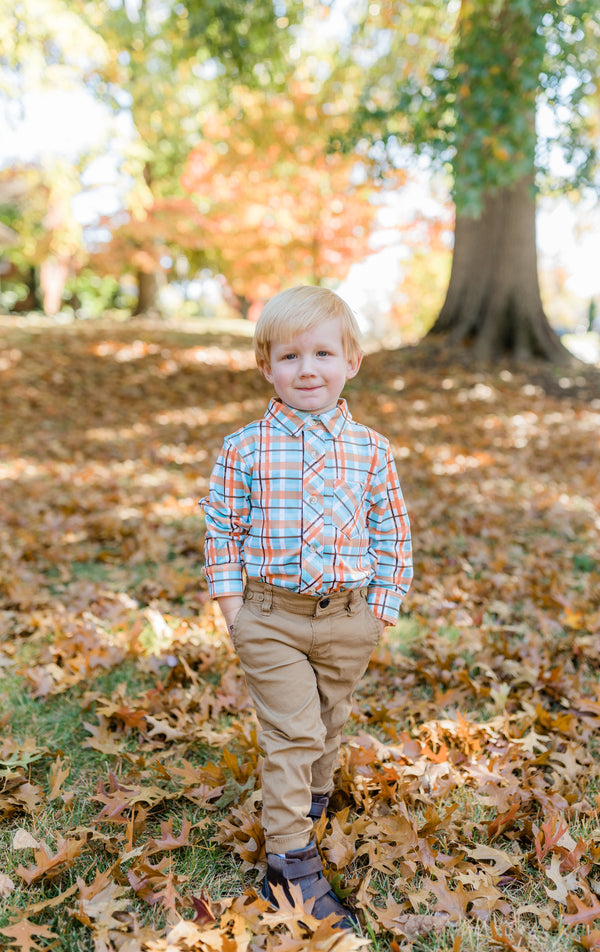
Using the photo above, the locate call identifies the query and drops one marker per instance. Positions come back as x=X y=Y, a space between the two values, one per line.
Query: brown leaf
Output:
x=101 y=903
x=57 y=776
x=49 y=864
x=585 y=914
x=21 y=935
x=102 y=739
x=169 y=840
x=203 y=913
x=6 y=885
x=505 y=941
x=453 y=901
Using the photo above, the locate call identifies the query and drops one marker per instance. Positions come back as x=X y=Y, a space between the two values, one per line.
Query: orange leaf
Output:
x=585 y=914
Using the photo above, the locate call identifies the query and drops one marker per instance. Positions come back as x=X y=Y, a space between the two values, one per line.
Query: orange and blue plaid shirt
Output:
x=311 y=503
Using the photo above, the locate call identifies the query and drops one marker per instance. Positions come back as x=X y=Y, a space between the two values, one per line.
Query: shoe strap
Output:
x=317 y=809
x=316 y=889
x=300 y=868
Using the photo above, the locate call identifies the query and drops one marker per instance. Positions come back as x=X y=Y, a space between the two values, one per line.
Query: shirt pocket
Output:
x=348 y=508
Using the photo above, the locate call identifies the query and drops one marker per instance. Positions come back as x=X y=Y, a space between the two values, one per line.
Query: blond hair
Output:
x=299 y=309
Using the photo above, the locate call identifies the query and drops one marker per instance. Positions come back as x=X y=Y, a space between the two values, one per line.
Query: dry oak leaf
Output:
x=564 y=884
x=143 y=879
x=411 y=924
x=340 y=845
x=167 y=896
x=160 y=727
x=204 y=913
x=35 y=907
x=452 y=901
x=168 y=840
x=325 y=938
x=591 y=941
x=231 y=935
x=505 y=941
x=584 y=914
x=57 y=776
x=101 y=903
x=27 y=796
x=120 y=798
x=501 y=860
x=554 y=832
x=6 y=885
x=21 y=936
x=51 y=864
x=243 y=831
x=23 y=840
x=102 y=739
x=394 y=918
x=542 y=913
x=293 y=912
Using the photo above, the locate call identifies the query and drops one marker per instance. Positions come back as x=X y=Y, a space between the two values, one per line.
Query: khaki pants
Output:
x=302 y=656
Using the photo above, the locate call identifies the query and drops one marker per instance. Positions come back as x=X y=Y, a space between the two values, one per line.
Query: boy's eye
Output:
x=323 y=353
x=289 y=356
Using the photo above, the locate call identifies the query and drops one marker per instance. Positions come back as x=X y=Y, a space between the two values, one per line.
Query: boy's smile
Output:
x=310 y=370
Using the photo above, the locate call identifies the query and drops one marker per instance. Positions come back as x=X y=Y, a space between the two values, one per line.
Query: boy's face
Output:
x=309 y=371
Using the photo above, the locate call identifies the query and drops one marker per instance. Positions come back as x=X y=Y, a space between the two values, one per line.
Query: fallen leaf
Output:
x=6 y=885
x=23 y=840
x=21 y=935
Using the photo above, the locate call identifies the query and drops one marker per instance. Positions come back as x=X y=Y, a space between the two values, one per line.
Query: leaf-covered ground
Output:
x=466 y=811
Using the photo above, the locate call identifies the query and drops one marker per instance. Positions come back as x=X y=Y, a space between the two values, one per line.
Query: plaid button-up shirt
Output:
x=311 y=503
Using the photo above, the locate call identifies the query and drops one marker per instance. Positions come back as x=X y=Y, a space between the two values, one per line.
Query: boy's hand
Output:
x=230 y=606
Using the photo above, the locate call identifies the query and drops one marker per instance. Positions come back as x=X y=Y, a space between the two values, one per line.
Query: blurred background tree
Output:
x=176 y=59
x=275 y=200
x=489 y=89
x=268 y=139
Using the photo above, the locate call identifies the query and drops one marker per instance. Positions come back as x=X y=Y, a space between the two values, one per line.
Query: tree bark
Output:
x=493 y=300
x=148 y=286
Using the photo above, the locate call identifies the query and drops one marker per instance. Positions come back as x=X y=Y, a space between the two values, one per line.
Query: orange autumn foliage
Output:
x=279 y=206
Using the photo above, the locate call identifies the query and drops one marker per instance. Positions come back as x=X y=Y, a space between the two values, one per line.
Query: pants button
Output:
x=324 y=603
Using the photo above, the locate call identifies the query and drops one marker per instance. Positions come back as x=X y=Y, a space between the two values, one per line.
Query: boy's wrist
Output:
x=230 y=606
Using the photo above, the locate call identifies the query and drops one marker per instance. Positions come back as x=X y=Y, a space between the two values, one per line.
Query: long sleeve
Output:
x=390 y=540
x=227 y=513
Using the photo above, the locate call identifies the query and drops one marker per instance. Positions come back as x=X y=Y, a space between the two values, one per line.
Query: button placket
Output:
x=312 y=511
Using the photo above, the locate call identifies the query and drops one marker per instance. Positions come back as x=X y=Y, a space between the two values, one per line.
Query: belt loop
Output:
x=267 y=599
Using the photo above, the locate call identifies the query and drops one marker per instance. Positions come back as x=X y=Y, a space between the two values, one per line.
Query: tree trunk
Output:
x=54 y=272
x=148 y=286
x=493 y=299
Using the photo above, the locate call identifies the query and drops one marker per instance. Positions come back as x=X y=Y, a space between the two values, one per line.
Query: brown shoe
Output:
x=305 y=869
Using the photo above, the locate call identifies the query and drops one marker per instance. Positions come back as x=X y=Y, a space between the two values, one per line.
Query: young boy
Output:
x=308 y=553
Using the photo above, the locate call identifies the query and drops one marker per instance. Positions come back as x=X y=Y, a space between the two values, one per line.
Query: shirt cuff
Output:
x=224 y=580
x=385 y=604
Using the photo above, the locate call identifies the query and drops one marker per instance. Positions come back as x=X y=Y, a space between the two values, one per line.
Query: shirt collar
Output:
x=294 y=421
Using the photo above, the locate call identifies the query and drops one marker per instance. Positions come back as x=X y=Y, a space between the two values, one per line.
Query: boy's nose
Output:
x=306 y=368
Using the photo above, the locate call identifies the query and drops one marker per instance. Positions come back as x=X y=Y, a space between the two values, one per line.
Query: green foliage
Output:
x=467 y=93
x=90 y=295
x=175 y=60
x=247 y=38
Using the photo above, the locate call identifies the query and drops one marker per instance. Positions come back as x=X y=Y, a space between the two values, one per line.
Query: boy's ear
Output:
x=353 y=366
x=265 y=370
